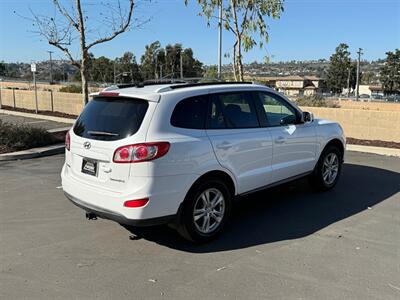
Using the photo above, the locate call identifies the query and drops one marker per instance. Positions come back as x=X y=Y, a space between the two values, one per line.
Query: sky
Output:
x=307 y=30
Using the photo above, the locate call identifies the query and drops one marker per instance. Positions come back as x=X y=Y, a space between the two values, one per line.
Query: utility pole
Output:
x=115 y=78
x=348 y=81
x=51 y=67
x=359 y=52
x=155 y=69
x=181 y=56
x=220 y=39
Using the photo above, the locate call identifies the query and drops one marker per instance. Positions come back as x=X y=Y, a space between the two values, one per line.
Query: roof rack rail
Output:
x=150 y=82
x=186 y=85
x=180 y=83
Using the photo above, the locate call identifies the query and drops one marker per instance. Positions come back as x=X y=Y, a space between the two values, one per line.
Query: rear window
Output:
x=190 y=113
x=111 y=118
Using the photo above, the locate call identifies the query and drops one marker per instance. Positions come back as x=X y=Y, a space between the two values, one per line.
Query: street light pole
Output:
x=359 y=52
x=220 y=39
x=51 y=67
x=1 y=90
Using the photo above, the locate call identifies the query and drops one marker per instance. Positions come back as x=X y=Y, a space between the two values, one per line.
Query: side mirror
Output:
x=308 y=117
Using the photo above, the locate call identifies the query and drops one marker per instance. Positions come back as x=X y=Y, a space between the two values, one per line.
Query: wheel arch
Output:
x=218 y=174
x=337 y=143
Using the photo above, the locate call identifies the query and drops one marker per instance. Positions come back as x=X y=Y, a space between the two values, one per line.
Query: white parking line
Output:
x=59 y=187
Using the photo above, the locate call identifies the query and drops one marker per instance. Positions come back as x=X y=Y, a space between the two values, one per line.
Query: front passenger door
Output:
x=294 y=143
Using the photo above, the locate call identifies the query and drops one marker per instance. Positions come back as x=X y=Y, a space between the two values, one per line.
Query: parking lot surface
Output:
x=46 y=124
x=285 y=243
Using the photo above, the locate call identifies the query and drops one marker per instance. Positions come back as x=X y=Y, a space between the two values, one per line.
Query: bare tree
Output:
x=71 y=24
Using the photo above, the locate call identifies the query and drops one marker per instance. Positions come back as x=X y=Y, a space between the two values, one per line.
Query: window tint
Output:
x=277 y=111
x=111 y=119
x=237 y=110
x=190 y=113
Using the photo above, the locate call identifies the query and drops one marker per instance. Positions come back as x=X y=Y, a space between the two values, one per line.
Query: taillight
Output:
x=140 y=152
x=136 y=203
x=67 y=141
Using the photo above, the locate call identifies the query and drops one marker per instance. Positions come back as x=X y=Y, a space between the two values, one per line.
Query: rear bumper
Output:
x=166 y=193
x=114 y=216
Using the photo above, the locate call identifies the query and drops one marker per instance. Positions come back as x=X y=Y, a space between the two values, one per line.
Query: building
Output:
x=295 y=86
x=368 y=90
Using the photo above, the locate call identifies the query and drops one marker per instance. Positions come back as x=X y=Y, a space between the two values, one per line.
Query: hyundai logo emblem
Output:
x=87 y=145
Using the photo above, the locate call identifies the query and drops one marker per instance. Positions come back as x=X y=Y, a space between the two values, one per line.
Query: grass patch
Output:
x=21 y=137
x=317 y=101
x=71 y=89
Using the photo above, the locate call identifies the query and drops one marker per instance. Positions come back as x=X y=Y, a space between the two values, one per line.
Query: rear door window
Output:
x=190 y=113
x=111 y=118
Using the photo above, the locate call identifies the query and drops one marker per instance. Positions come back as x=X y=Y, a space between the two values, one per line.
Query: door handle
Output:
x=224 y=146
x=280 y=140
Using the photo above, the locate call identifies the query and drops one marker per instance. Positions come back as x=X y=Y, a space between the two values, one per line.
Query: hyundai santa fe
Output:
x=180 y=153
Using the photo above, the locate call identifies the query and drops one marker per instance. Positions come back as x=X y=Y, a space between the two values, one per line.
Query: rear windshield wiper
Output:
x=102 y=133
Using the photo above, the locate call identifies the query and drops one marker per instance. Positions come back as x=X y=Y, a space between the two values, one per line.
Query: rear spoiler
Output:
x=152 y=97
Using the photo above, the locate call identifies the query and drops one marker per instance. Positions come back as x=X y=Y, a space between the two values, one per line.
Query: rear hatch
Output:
x=105 y=124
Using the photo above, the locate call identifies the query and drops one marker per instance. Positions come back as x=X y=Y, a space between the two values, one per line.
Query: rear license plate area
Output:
x=89 y=167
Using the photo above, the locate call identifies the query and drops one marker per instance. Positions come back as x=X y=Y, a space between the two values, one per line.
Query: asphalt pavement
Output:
x=284 y=243
x=46 y=124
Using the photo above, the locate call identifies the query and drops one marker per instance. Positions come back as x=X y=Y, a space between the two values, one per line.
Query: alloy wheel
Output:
x=209 y=210
x=330 y=168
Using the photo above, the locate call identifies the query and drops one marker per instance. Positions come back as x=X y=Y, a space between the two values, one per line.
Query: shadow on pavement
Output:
x=290 y=211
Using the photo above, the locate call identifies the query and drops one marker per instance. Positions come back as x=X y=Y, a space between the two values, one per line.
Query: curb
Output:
x=374 y=150
x=57 y=130
x=37 y=116
x=33 y=153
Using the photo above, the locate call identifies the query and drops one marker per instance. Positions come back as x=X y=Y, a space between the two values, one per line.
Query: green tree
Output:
x=245 y=19
x=151 y=60
x=211 y=72
x=102 y=70
x=338 y=70
x=390 y=73
x=367 y=77
x=191 y=66
x=127 y=68
x=353 y=75
x=157 y=62
x=2 y=69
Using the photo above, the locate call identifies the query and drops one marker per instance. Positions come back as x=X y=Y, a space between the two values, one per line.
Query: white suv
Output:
x=181 y=153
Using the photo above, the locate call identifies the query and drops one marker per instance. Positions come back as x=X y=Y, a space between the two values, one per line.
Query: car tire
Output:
x=198 y=209
x=327 y=171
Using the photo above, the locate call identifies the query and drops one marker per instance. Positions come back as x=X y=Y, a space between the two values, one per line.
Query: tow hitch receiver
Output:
x=91 y=216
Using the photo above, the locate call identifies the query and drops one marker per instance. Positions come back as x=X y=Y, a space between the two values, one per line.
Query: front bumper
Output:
x=114 y=216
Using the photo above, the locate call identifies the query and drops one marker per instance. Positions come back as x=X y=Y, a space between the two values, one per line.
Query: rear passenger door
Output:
x=240 y=144
x=294 y=142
